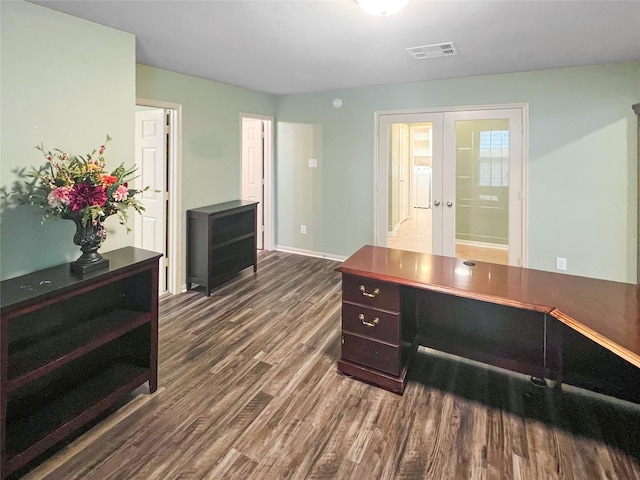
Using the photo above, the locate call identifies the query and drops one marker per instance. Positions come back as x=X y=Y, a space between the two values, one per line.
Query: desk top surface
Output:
x=606 y=312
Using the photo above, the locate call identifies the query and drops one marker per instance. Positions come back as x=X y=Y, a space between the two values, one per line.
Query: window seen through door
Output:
x=494 y=159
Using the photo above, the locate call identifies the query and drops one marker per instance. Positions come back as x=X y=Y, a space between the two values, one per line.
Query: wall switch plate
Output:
x=313 y=162
x=561 y=263
x=303 y=229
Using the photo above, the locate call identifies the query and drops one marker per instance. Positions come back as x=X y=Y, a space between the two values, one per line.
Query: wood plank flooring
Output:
x=248 y=389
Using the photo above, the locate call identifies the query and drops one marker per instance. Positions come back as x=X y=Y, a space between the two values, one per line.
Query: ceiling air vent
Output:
x=431 y=51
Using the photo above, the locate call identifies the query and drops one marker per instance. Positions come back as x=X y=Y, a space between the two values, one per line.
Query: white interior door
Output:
x=253 y=168
x=150 y=226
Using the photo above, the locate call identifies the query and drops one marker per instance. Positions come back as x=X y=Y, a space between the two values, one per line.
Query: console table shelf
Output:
x=71 y=347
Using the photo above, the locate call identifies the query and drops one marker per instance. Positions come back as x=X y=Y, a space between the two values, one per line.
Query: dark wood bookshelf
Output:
x=71 y=347
x=221 y=241
x=49 y=353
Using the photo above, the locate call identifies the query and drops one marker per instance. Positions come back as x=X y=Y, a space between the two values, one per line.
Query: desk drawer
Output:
x=371 y=353
x=370 y=292
x=375 y=324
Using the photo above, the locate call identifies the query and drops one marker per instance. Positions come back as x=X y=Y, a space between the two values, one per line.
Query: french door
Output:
x=474 y=159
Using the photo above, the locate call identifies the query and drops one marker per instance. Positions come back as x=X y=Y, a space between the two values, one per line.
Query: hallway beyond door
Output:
x=414 y=234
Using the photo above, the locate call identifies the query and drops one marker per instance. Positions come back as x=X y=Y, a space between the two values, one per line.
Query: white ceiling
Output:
x=296 y=46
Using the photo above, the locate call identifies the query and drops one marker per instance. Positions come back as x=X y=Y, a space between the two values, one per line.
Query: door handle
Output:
x=436 y=203
x=449 y=204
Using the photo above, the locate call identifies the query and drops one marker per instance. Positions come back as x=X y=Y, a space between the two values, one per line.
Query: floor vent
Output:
x=432 y=51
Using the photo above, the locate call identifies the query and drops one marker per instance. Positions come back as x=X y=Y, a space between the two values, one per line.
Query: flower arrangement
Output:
x=81 y=188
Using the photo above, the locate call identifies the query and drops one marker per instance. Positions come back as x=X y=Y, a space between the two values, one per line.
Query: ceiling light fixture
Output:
x=382 y=8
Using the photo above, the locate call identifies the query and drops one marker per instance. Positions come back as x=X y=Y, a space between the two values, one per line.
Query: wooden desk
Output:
x=576 y=330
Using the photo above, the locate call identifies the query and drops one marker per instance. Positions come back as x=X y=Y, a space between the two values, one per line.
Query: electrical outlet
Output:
x=303 y=229
x=313 y=162
x=561 y=263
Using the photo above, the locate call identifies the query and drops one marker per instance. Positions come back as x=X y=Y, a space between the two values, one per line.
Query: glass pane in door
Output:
x=410 y=186
x=482 y=190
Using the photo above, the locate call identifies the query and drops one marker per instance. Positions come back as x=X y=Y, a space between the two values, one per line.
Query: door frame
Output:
x=380 y=167
x=268 y=239
x=174 y=177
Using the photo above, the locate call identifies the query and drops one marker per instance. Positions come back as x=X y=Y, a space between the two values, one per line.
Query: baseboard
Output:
x=310 y=253
x=471 y=243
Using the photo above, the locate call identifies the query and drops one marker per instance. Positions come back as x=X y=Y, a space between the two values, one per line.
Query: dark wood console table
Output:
x=71 y=347
x=575 y=330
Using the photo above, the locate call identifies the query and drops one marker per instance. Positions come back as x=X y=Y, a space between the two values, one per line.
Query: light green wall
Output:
x=210 y=133
x=582 y=160
x=67 y=83
x=297 y=144
x=210 y=130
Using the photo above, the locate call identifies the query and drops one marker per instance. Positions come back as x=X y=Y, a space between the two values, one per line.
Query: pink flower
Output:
x=121 y=194
x=102 y=149
x=85 y=195
x=58 y=196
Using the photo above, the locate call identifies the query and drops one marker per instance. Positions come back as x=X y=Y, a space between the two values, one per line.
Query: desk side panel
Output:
x=498 y=335
x=586 y=364
x=409 y=333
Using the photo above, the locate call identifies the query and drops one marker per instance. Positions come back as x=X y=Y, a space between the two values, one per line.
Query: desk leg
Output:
x=375 y=377
x=539 y=381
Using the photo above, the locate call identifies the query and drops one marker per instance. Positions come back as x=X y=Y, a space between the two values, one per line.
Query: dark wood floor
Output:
x=248 y=389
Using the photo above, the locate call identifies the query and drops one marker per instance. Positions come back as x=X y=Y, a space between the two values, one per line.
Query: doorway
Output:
x=256 y=177
x=463 y=170
x=158 y=147
x=410 y=187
